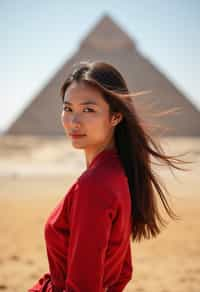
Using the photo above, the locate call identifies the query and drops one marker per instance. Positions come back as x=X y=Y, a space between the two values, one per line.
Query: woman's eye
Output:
x=87 y=108
x=65 y=108
x=90 y=110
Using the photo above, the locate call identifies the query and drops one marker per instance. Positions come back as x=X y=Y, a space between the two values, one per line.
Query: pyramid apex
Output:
x=106 y=18
x=107 y=35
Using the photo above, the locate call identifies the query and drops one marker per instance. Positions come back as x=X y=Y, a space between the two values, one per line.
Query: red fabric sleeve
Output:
x=126 y=273
x=91 y=215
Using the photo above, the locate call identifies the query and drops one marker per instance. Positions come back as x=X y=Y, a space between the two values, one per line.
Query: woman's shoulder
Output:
x=101 y=176
x=89 y=180
x=107 y=169
x=91 y=186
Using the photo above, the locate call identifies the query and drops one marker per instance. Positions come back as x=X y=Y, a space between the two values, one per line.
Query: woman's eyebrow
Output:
x=82 y=103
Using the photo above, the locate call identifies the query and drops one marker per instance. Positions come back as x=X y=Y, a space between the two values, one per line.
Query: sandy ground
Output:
x=36 y=173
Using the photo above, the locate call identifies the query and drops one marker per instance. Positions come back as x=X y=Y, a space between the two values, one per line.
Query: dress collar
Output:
x=105 y=153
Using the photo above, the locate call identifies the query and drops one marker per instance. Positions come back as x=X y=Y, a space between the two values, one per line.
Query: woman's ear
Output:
x=116 y=118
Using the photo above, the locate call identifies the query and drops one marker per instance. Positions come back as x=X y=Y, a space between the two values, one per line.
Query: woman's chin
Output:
x=77 y=145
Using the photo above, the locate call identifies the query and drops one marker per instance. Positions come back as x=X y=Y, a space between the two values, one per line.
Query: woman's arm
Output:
x=91 y=217
x=126 y=273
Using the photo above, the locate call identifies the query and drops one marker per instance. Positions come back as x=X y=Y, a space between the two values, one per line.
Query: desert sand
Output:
x=35 y=173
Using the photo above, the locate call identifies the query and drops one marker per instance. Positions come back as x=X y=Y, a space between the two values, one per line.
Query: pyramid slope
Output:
x=140 y=73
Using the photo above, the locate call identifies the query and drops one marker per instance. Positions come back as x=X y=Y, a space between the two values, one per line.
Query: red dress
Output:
x=88 y=233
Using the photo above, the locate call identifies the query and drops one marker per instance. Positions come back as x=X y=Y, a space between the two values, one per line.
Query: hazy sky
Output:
x=36 y=37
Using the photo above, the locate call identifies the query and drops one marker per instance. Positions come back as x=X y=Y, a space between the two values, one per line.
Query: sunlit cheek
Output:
x=100 y=128
x=64 y=119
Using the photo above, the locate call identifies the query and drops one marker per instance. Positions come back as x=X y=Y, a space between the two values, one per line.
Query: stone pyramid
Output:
x=110 y=43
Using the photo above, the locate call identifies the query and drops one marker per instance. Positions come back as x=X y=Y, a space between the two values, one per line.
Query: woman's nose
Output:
x=75 y=119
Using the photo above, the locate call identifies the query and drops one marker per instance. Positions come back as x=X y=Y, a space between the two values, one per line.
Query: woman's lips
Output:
x=77 y=136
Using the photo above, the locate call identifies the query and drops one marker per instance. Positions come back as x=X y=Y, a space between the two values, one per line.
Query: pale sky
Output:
x=36 y=37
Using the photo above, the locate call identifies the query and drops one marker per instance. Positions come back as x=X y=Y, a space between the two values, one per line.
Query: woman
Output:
x=88 y=234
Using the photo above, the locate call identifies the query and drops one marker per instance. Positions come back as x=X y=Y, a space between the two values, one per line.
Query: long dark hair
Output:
x=135 y=145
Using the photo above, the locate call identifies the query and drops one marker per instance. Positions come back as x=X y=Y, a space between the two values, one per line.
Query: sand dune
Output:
x=36 y=173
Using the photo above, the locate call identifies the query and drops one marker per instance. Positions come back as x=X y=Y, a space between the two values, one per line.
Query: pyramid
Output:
x=108 y=42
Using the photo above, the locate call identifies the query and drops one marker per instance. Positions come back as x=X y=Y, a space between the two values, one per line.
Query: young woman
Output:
x=88 y=234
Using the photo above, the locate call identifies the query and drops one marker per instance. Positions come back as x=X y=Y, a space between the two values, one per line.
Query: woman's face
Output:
x=86 y=113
